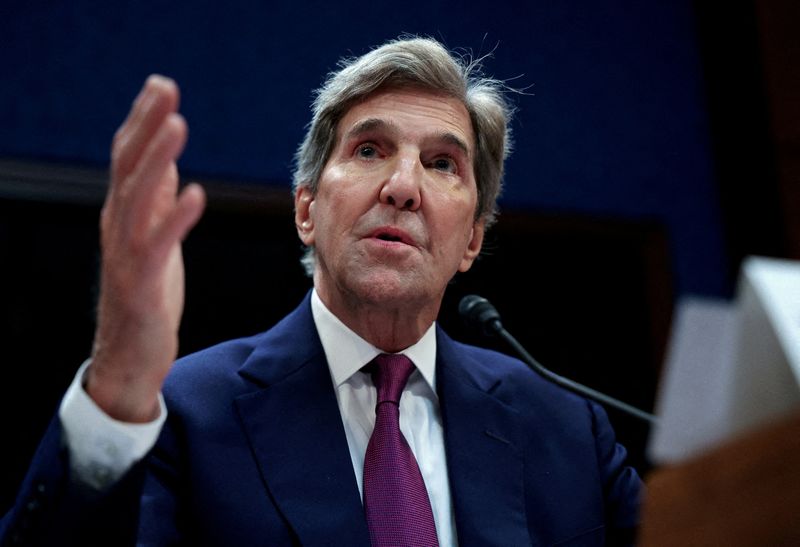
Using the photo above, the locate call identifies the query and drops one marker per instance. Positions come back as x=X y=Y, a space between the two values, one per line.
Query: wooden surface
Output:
x=745 y=493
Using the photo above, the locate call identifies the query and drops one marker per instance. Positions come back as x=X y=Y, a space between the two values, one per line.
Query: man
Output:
x=269 y=440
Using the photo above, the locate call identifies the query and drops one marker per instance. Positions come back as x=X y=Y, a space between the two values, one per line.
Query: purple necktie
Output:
x=395 y=500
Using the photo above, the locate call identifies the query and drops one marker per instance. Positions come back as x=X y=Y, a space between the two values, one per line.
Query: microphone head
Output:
x=478 y=311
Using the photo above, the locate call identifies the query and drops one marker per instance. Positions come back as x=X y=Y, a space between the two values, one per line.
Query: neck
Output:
x=389 y=326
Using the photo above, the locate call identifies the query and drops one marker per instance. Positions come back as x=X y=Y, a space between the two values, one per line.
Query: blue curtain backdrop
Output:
x=612 y=122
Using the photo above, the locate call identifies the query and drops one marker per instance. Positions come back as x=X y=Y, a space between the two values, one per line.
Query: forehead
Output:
x=412 y=112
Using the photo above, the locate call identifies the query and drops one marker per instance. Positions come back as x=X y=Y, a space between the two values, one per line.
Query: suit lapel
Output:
x=484 y=456
x=293 y=423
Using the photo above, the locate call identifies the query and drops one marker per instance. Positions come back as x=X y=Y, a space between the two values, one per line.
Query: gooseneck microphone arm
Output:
x=479 y=311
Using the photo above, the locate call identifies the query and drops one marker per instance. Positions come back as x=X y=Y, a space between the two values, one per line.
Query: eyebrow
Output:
x=456 y=141
x=372 y=124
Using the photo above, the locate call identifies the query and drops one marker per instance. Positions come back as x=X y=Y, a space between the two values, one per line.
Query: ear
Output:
x=473 y=245
x=303 y=221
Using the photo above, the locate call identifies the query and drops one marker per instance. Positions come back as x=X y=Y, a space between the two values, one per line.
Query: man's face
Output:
x=393 y=217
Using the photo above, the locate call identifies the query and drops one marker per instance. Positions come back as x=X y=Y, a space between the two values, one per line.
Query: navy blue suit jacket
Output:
x=254 y=453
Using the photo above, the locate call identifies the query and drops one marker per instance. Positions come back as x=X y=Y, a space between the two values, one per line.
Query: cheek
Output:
x=333 y=216
x=452 y=235
x=454 y=210
x=334 y=188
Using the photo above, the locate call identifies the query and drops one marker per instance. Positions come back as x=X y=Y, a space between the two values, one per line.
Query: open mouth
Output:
x=389 y=237
x=391 y=234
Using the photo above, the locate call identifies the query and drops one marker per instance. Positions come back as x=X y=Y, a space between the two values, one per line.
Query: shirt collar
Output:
x=347 y=352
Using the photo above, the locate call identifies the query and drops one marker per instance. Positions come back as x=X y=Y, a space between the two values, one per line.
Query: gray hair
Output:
x=425 y=64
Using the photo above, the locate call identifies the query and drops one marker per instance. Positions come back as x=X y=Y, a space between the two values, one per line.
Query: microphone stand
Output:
x=478 y=310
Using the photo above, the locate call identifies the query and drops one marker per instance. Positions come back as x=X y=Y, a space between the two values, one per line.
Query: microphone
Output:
x=478 y=311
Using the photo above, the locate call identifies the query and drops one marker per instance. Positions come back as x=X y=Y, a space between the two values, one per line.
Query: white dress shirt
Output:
x=103 y=449
x=420 y=418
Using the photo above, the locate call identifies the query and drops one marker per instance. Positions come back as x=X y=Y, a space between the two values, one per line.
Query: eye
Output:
x=366 y=151
x=444 y=164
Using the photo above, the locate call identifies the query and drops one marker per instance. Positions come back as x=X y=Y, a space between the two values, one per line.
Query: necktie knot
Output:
x=390 y=375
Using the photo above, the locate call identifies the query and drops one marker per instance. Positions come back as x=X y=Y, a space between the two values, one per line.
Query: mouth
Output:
x=388 y=237
x=392 y=235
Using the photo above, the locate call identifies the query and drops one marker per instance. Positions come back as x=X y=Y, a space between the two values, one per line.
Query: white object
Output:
x=731 y=366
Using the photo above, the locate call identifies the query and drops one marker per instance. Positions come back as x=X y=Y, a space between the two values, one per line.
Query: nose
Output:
x=402 y=187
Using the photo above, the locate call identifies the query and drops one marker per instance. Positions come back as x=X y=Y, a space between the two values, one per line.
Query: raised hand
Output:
x=143 y=222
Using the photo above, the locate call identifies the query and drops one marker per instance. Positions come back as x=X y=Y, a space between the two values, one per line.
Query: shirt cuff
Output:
x=101 y=448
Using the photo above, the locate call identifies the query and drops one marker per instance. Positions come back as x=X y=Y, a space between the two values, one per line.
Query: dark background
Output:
x=656 y=145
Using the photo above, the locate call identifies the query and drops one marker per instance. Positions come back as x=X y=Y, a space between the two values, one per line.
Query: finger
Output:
x=187 y=212
x=153 y=184
x=135 y=113
x=158 y=99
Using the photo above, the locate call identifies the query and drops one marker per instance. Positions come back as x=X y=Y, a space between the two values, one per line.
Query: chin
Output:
x=394 y=289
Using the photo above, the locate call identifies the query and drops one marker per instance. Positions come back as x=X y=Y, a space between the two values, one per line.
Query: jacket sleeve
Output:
x=622 y=487
x=51 y=509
